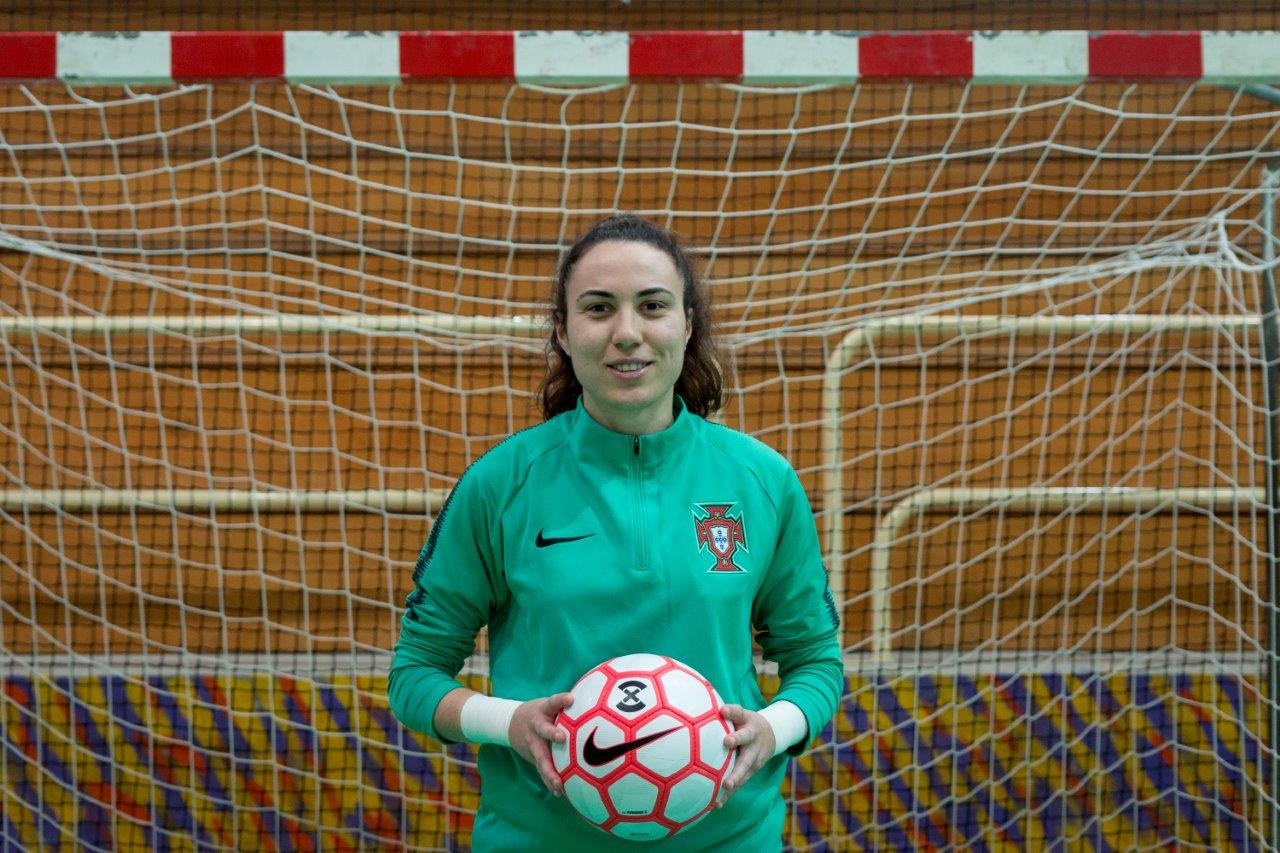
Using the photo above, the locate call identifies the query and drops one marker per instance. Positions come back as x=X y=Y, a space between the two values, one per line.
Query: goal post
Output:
x=1271 y=398
x=1004 y=300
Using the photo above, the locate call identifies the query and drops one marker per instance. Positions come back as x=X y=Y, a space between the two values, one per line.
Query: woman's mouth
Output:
x=629 y=369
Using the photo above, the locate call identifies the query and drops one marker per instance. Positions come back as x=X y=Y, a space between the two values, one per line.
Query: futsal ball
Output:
x=645 y=755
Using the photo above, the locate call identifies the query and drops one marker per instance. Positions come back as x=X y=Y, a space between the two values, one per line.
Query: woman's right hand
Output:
x=533 y=729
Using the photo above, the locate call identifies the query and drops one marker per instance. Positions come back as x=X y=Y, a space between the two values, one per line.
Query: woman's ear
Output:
x=688 y=326
x=562 y=337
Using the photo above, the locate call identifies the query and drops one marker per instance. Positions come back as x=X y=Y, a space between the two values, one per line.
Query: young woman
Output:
x=577 y=541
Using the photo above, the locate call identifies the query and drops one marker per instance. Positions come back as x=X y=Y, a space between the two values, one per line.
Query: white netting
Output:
x=1009 y=337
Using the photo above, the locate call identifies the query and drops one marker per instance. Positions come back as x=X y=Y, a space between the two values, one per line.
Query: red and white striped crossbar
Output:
x=777 y=56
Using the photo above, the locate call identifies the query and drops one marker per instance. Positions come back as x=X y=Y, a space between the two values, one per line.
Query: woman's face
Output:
x=625 y=332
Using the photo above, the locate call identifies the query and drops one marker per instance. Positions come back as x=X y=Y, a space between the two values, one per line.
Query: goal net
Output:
x=1010 y=336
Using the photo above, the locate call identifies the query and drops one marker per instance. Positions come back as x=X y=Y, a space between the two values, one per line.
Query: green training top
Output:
x=577 y=544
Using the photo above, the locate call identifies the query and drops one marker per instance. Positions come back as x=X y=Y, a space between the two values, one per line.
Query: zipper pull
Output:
x=635 y=444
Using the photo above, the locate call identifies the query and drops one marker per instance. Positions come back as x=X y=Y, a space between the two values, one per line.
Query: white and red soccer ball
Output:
x=645 y=754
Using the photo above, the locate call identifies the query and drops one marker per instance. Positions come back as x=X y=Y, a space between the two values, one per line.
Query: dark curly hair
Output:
x=701 y=384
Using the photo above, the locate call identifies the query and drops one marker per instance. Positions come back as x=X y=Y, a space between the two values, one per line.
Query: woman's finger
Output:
x=749 y=761
x=743 y=736
x=542 y=760
x=737 y=715
x=557 y=703
x=545 y=724
x=742 y=769
x=750 y=749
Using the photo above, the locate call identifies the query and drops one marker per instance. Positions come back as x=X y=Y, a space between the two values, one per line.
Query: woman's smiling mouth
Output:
x=629 y=369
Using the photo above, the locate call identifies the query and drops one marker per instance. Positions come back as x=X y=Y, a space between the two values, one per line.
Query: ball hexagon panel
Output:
x=711 y=750
x=689 y=797
x=560 y=752
x=670 y=752
x=641 y=830
x=637 y=663
x=632 y=794
x=632 y=696
x=685 y=692
x=586 y=694
x=597 y=734
x=585 y=797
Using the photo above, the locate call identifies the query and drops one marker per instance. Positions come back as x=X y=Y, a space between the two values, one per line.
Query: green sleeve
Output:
x=795 y=618
x=456 y=586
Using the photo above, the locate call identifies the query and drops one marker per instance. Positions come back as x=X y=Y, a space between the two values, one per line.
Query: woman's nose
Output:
x=626 y=329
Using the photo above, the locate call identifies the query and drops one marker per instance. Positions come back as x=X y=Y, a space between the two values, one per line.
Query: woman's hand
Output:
x=754 y=743
x=532 y=730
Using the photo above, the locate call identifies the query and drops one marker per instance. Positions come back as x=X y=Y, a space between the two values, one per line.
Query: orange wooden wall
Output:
x=350 y=412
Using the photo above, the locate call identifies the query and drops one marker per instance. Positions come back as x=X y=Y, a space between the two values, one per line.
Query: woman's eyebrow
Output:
x=647 y=292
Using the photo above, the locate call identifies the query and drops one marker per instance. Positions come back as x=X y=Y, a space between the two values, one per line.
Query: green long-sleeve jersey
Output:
x=576 y=544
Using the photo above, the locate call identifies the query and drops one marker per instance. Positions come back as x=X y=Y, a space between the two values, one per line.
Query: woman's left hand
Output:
x=754 y=743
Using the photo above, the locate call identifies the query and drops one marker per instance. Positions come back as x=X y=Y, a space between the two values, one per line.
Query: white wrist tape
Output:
x=487 y=719
x=788 y=723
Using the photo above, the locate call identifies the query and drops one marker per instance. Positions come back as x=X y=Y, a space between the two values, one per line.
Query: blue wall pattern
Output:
x=992 y=762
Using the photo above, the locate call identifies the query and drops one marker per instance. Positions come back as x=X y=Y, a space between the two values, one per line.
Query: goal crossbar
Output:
x=593 y=57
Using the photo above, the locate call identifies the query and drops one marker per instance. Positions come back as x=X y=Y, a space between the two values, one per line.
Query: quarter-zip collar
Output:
x=597 y=445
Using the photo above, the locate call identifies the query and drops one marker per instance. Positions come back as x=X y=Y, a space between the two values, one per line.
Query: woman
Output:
x=577 y=541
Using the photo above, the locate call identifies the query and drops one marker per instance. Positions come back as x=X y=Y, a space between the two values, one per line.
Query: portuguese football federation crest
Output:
x=719 y=529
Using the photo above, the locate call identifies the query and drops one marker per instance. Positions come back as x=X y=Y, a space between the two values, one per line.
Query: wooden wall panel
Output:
x=814 y=304
x=1018 y=204
x=161 y=582
x=281 y=171
x=1139 y=423
x=308 y=420
x=157 y=582
x=1071 y=581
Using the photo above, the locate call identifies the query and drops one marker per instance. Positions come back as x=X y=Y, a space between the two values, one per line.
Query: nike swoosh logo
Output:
x=544 y=541
x=600 y=755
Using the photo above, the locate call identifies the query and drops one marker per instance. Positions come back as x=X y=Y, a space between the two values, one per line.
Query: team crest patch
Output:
x=720 y=532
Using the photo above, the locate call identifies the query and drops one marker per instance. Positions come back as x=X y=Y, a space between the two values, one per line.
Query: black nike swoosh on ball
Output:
x=598 y=755
x=543 y=541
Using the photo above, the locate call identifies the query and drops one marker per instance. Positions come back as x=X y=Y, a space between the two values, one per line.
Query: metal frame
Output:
x=853 y=343
x=244 y=500
x=1033 y=498
x=1030 y=499
x=1271 y=391
x=223 y=500
x=260 y=324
